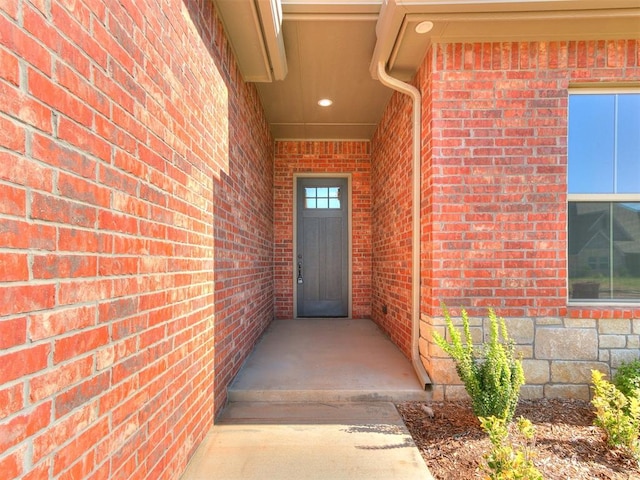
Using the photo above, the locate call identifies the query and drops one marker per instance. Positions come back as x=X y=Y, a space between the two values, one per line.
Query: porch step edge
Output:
x=328 y=395
x=344 y=413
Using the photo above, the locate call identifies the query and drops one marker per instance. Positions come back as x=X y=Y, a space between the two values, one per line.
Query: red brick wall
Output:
x=243 y=228
x=391 y=188
x=498 y=169
x=294 y=157
x=119 y=120
x=427 y=227
x=494 y=166
x=494 y=206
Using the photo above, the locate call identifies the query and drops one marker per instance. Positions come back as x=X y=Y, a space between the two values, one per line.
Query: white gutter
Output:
x=416 y=170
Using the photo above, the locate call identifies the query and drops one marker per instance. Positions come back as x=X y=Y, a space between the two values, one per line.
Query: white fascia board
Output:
x=271 y=19
x=393 y=14
x=469 y=6
x=254 y=29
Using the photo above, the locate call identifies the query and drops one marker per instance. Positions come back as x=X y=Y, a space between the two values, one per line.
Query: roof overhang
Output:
x=333 y=48
x=402 y=48
x=254 y=28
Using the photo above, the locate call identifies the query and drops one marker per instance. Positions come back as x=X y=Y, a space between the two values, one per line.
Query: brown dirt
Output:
x=567 y=445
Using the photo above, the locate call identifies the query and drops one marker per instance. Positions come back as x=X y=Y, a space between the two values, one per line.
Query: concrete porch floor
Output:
x=315 y=400
x=325 y=360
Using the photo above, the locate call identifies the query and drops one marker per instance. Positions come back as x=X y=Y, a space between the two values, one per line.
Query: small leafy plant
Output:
x=627 y=379
x=492 y=375
x=507 y=460
x=617 y=414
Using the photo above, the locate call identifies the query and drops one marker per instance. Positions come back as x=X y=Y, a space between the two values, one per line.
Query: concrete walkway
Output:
x=315 y=401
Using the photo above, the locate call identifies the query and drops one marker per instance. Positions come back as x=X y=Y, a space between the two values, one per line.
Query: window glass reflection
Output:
x=628 y=145
x=604 y=251
x=604 y=143
x=322 y=197
x=591 y=147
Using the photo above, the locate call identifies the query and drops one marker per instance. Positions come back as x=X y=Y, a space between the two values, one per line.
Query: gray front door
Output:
x=322 y=257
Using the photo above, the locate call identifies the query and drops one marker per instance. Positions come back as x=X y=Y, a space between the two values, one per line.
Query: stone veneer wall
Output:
x=495 y=201
x=557 y=354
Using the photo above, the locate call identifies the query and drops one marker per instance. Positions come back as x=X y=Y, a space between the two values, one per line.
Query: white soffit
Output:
x=328 y=58
x=333 y=48
x=254 y=29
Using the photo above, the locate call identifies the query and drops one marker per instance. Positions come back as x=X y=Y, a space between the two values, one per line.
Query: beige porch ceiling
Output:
x=299 y=51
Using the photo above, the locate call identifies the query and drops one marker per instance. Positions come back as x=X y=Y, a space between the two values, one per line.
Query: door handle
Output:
x=300 y=273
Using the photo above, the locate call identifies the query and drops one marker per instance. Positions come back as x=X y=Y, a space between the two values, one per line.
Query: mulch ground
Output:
x=567 y=445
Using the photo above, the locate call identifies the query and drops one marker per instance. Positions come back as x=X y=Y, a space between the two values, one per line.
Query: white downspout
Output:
x=416 y=170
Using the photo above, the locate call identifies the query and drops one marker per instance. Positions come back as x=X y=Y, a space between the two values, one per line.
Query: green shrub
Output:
x=617 y=414
x=627 y=379
x=492 y=375
x=506 y=460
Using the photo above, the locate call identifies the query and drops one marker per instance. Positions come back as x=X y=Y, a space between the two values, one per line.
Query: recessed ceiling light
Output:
x=325 y=102
x=424 y=27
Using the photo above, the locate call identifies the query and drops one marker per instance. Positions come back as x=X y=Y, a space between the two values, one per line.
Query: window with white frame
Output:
x=604 y=196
